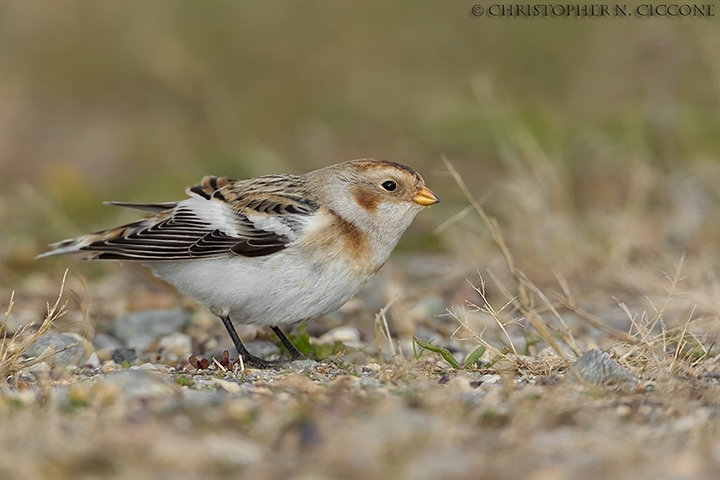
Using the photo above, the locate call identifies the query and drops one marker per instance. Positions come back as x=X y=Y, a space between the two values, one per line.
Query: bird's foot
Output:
x=296 y=355
x=225 y=363
x=250 y=360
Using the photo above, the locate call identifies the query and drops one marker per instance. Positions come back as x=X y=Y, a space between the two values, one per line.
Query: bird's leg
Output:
x=247 y=357
x=295 y=354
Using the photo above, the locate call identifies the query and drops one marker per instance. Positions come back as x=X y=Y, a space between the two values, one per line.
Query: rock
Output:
x=103 y=341
x=70 y=349
x=93 y=361
x=304 y=365
x=346 y=334
x=230 y=387
x=354 y=358
x=109 y=367
x=139 y=329
x=264 y=350
x=37 y=367
x=371 y=368
x=122 y=355
x=144 y=367
x=370 y=383
x=141 y=384
x=177 y=344
x=598 y=367
x=489 y=379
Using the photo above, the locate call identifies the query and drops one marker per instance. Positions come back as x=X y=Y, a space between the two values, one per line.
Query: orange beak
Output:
x=426 y=197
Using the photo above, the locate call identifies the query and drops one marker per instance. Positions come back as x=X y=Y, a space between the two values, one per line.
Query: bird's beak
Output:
x=425 y=197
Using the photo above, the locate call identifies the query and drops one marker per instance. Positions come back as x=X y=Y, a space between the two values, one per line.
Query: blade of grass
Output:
x=444 y=352
x=473 y=358
x=382 y=329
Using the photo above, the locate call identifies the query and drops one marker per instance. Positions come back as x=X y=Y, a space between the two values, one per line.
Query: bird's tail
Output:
x=76 y=245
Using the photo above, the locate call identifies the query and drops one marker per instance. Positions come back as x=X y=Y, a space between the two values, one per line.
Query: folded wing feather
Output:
x=198 y=227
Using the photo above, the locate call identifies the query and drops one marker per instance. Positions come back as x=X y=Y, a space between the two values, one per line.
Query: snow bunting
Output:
x=273 y=250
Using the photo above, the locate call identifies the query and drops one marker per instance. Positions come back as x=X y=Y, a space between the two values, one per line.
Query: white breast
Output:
x=278 y=289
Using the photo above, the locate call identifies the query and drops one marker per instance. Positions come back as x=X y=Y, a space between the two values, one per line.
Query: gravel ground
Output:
x=367 y=408
x=410 y=419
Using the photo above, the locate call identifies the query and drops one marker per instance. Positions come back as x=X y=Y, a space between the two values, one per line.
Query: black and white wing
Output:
x=221 y=218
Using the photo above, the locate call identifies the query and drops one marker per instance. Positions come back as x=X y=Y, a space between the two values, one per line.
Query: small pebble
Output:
x=264 y=350
x=93 y=361
x=354 y=358
x=145 y=366
x=346 y=334
x=122 y=355
x=230 y=387
x=598 y=367
x=371 y=368
x=305 y=364
x=489 y=379
x=177 y=344
x=109 y=366
x=370 y=383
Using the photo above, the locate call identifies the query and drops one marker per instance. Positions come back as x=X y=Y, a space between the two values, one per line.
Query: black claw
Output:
x=250 y=359
x=256 y=362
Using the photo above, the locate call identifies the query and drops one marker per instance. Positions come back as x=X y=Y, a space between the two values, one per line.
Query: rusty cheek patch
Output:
x=366 y=198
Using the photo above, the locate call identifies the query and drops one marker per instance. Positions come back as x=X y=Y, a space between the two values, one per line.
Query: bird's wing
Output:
x=145 y=207
x=220 y=219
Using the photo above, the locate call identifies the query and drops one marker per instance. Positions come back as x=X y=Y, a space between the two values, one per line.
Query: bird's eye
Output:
x=389 y=185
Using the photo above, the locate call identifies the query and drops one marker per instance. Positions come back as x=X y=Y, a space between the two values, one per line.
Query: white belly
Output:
x=272 y=290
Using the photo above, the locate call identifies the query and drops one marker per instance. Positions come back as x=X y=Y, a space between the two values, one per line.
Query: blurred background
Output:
x=593 y=141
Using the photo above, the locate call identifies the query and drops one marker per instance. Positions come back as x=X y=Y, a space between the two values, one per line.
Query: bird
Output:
x=274 y=250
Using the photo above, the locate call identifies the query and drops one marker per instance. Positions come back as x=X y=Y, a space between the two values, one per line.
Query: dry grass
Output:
x=13 y=347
